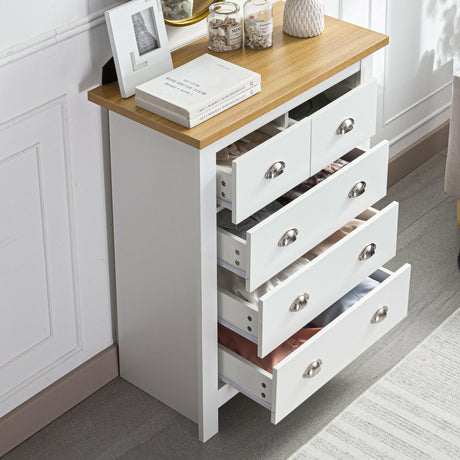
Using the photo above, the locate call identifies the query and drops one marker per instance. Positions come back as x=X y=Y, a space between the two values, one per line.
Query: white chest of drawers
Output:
x=166 y=243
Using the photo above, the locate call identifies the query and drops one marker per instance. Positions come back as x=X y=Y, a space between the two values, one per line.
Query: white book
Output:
x=198 y=86
x=191 y=122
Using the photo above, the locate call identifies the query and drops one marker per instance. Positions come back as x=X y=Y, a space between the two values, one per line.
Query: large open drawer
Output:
x=318 y=360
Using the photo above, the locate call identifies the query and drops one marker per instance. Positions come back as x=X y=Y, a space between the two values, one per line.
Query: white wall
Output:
x=56 y=298
x=55 y=293
x=23 y=21
x=415 y=71
x=19 y=24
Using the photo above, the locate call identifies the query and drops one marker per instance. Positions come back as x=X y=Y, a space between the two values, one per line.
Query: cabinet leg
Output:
x=209 y=425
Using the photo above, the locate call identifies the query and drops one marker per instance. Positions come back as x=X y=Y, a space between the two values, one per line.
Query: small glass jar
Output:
x=258 y=24
x=225 y=27
x=173 y=10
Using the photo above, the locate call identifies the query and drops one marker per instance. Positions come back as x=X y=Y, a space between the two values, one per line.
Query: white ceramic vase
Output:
x=303 y=18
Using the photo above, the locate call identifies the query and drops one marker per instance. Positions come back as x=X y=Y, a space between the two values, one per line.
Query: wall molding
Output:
x=340 y=13
x=387 y=121
x=53 y=37
x=35 y=148
x=59 y=103
x=385 y=64
x=416 y=154
x=58 y=398
x=420 y=123
x=417 y=103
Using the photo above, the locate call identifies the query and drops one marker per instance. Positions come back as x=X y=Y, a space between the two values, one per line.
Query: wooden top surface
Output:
x=290 y=67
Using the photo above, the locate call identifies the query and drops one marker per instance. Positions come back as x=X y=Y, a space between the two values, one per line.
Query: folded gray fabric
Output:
x=309 y=107
x=452 y=179
x=347 y=301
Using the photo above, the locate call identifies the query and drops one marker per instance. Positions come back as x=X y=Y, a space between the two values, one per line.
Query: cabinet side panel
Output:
x=156 y=211
x=208 y=398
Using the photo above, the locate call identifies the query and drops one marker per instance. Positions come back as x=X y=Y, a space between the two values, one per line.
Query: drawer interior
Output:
x=255 y=170
x=240 y=366
x=323 y=99
x=225 y=156
x=301 y=366
x=232 y=285
x=224 y=217
x=276 y=309
x=260 y=246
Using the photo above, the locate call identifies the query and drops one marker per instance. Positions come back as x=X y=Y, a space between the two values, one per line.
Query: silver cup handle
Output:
x=288 y=238
x=275 y=170
x=346 y=126
x=313 y=369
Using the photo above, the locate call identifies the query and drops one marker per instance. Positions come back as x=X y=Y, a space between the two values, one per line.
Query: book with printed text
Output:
x=203 y=116
x=197 y=86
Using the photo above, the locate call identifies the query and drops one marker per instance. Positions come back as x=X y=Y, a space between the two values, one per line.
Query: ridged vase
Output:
x=303 y=18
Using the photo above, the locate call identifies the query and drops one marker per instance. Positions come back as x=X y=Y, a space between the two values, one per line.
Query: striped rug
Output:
x=413 y=412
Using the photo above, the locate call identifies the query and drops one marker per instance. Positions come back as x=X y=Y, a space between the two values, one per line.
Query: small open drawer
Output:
x=318 y=360
x=266 y=171
x=303 y=148
x=292 y=304
x=289 y=233
x=343 y=124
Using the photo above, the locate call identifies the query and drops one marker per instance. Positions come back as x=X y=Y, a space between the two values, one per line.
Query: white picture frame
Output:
x=140 y=47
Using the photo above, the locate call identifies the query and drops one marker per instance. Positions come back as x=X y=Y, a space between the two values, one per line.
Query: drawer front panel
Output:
x=339 y=343
x=252 y=185
x=315 y=216
x=326 y=279
x=359 y=105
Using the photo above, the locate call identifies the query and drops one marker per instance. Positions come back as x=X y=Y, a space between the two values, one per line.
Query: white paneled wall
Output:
x=415 y=71
x=40 y=315
x=55 y=244
x=24 y=21
x=55 y=297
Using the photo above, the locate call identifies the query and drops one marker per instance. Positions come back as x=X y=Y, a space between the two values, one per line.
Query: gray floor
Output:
x=120 y=421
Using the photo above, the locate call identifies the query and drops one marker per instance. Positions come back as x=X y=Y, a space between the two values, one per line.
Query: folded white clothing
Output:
x=225 y=156
x=236 y=285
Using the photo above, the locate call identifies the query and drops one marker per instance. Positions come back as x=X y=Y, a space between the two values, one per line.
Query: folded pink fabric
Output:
x=248 y=350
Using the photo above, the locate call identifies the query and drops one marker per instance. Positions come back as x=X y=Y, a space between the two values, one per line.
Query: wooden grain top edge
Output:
x=146 y=118
x=285 y=97
x=206 y=133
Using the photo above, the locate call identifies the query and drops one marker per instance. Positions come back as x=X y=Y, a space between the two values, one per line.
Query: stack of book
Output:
x=198 y=90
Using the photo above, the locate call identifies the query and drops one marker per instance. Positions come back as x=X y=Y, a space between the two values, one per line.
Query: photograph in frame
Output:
x=145 y=31
x=139 y=43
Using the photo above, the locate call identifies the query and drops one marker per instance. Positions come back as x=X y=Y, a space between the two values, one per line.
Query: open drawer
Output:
x=314 y=363
x=286 y=235
x=343 y=124
x=292 y=304
x=292 y=154
x=266 y=171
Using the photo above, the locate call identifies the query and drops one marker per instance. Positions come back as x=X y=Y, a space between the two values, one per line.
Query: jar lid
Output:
x=224 y=8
